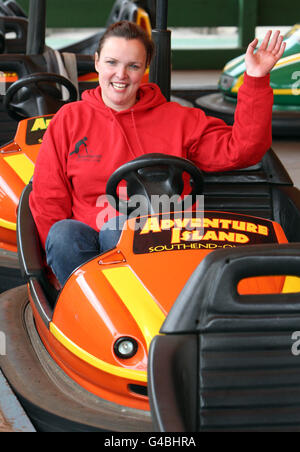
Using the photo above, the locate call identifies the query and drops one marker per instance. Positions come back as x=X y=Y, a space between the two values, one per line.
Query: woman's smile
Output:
x=118 y=86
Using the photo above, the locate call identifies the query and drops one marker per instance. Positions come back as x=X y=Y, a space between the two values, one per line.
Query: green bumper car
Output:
x=285 y=81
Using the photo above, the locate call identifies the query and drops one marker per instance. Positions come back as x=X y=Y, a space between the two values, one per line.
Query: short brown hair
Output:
x=129 y=30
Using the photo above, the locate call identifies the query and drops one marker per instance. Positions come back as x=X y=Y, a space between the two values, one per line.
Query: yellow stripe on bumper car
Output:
x=137 y=299
x=22 y=165
x=8 y=225
x=96 y=362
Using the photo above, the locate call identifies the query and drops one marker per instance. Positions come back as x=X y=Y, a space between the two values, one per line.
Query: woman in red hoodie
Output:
x=123 y=119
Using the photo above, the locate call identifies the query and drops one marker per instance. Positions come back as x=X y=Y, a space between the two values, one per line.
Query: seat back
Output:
x=249 y=190
x=122 y=10
x=14 y=8
x=29 y=247
x=32 y=260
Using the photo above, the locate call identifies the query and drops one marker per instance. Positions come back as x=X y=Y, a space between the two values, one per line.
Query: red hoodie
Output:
x=87 y=141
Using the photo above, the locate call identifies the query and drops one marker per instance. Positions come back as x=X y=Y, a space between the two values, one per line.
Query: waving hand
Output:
x=260 y=63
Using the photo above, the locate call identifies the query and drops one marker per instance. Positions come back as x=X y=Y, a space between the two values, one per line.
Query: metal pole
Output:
x=162 y=14
x=160 y=69
x=36 y=28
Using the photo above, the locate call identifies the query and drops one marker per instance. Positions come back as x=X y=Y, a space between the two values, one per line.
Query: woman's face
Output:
x=121 y=66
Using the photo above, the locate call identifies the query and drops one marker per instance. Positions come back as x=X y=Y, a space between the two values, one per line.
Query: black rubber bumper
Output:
x=284 y=124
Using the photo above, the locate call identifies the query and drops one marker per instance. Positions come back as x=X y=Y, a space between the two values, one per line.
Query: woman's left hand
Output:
x=260 y=63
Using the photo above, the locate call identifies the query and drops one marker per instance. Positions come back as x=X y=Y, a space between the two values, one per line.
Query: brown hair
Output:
x=129 y=30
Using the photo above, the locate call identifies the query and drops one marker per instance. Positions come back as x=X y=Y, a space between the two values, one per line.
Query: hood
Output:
x=149 y=96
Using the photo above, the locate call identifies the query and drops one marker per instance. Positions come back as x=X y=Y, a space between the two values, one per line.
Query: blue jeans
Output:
x=71 y=243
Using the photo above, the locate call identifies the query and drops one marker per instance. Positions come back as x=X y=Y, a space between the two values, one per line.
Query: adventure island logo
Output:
x=36 y=128
x=211 y=230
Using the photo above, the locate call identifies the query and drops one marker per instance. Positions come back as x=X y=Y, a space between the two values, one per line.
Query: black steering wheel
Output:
x=37 y=94
x=15 y=8
x=155 y=174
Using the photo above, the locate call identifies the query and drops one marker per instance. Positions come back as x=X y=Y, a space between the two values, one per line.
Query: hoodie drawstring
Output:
x=125 y=136
x=136 y=133
x=123 y=132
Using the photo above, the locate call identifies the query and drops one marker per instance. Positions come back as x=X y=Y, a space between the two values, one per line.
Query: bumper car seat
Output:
x=32 y=259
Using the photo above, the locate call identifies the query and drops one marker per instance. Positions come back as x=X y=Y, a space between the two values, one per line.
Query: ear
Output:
x=97 y=62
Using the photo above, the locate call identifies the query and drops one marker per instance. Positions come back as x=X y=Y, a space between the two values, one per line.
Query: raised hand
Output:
x=260 y=63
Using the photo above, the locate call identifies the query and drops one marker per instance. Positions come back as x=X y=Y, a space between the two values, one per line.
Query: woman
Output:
x=121 y=120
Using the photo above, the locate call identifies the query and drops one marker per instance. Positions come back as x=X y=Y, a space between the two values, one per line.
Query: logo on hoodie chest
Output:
x=83 y=152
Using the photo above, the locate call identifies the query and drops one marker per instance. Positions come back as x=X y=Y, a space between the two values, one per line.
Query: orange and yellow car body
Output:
x=128 y=292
